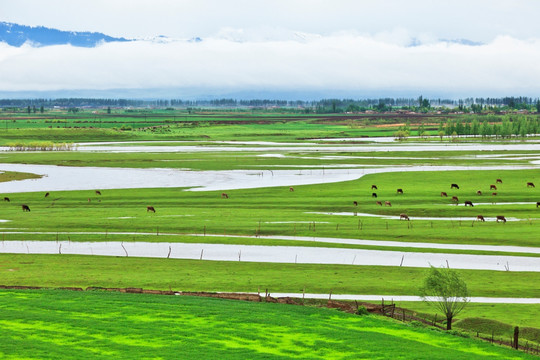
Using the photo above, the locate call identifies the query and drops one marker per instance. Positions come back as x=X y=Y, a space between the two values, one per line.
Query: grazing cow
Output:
x=224 y=195
x=502 y=218
x=454 y=186
x=291 y=189
x=387 y=203
x=98 y=192
x=530 y=184
x=46 y=194
x=355 y=203
x=6 y=199
x=469 y=203
x=25 y=207
x=150 y=208
x=399 y=191
x=494 y=194
x=380 y=203
x=498 y=181
x=480 y=218
x=492 y=187
x=403 y=217
x=444 y=194
x=373 y=187
x=374 y=195
x=537 y=204
x=455 y=198
x=479 y=192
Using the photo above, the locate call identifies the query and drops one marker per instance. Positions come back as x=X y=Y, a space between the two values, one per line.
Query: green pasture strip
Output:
x=277 y=211
x=244 y=160
x=14 y=176
x=63 y=324
x=196 y=275
x=7 y=235
x=487 y=318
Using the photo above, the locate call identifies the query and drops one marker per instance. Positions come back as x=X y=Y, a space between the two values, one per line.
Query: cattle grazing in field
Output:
x=291 y=189
x=444 y=194
x=479 y=192
x=387 y=203
x=378 y=203
x=469 y=203
x=492 y=187
x=480 y=218
x=530 y=184
x=7 y=199
x=25 y=207
x=494 y=194
x=498 y=181
x=355 y=203
x=373 y=187
x=454 y=186
x=399 y=191
x=46 y=194
x=224 y=196
x=502 y=218
x=403 y=217
x=455 y=199
x=150 y=208
x=374 y=195
x=98 y=192
x=537 y=204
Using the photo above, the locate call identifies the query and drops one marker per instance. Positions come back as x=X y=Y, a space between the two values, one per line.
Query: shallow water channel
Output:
x=274 y=254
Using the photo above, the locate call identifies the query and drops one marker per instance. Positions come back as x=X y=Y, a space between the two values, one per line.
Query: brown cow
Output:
x=6 y=199
x=455 y=198
x=387 y=203
x=498 y=181
x=492 y=187
x=46 y=194
x=403 y=217
x=494 y=194
x=380 y=203
x=399 y=191
x=530 y=184
x=469 y=203
x=502 y=218
x=355 y=203
x=291 y=189
x=224 y=195
x=479 y=192
x=444 y=194
x=454 y=186
x=480 y=218
x=98 y=192
x=373 y=187
x=25 y=207
x=374 y=195
x=150 y=208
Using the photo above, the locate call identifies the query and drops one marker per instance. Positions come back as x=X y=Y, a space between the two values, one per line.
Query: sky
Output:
x=294 y=48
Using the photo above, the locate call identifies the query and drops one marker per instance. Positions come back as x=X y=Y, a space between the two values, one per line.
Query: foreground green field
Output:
x=75 y=325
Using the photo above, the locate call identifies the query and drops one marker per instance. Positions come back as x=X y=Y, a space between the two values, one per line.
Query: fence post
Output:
x=516 y=337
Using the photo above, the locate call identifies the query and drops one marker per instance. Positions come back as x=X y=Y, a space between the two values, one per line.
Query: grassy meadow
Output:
x=69 y=325
x=59 y=324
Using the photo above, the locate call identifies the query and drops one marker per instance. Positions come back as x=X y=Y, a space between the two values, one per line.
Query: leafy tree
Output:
x=445 y=290
x=108 y=110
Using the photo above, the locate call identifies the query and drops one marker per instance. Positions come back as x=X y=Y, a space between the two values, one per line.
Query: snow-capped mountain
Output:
x=17 y=35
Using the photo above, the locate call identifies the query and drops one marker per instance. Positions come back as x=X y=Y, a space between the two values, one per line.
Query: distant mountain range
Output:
x=17 y=35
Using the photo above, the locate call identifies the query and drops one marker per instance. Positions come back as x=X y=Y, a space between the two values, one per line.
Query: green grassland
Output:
x=58 y=324
x=263 y=211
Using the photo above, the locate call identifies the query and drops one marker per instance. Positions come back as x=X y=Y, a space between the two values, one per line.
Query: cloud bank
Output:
x=346 y=62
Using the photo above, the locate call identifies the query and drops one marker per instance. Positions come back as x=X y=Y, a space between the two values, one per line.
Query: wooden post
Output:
x=330 y=296
x=516 y=337
x=303 y=294
x=204 y=231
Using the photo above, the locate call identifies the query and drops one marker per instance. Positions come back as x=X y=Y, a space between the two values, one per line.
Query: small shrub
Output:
x=362 y=311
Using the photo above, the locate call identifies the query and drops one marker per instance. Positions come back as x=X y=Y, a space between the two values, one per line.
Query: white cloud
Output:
x=343 y=61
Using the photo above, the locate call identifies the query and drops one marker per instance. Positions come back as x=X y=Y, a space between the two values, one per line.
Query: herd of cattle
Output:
x=455 y=199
